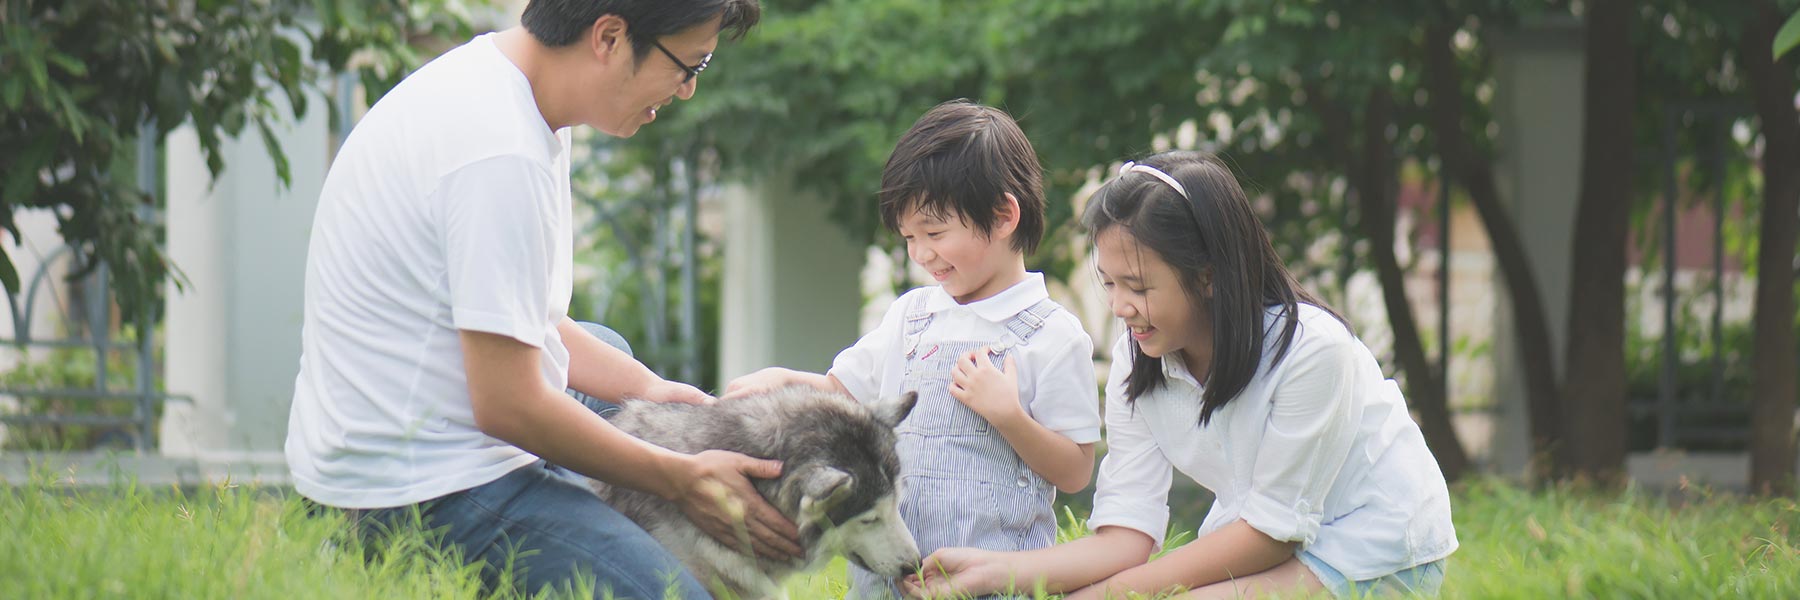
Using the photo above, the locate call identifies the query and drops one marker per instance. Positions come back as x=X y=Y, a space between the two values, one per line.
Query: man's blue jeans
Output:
x=544 y=522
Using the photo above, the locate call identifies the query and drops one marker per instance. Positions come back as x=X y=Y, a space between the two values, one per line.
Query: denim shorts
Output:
x=1420 y=581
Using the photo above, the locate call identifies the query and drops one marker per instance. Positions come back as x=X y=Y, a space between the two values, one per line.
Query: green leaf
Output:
x=9 y=273
x=273 y=145
x=13 y=92
x=1788 y=37
x=69 y=64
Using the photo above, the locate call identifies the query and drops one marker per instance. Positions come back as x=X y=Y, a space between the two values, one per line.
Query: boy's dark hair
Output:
x=957 y=161
x=1213 y=239
x=558 y=23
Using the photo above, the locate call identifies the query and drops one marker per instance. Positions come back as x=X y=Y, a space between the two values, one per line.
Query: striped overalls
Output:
x=961 y=483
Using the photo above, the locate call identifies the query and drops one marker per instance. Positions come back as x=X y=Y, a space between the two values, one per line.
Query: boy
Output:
x=987 y=446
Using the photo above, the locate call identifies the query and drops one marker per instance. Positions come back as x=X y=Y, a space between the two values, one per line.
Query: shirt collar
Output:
x=1176 y=369
x=999 y=307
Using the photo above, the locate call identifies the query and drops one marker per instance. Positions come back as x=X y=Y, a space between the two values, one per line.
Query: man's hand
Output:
x=675 y=391
x=990 y=392
x=758 y=382
x=718 y=498
x=959 y=573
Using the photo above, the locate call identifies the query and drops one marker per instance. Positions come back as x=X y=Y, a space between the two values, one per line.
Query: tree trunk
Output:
x=1474 y=172
x=1373 y=177
x=1594 y=385
x=1774 y=360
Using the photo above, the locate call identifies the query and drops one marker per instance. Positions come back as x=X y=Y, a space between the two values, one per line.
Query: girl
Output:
x=1237 y=377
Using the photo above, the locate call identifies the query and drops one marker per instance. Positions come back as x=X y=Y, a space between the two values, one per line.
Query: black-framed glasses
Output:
x=692 y=71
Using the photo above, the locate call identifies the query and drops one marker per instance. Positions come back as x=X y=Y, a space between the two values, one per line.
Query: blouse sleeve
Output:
x=1306 y=439
x=1133 y=488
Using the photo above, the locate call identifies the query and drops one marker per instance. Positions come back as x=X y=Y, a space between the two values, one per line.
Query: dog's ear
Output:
x=891 y=411
x=821 y=488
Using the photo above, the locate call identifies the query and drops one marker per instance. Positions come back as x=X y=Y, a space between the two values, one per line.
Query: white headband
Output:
x=1131 y=167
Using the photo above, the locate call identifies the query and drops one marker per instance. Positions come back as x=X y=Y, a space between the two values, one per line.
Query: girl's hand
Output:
x=990 y=392
x=959 y=573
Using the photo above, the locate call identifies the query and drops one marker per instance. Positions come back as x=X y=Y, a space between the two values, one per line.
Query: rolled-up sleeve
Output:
x=1133 y=488
x=1306 y=440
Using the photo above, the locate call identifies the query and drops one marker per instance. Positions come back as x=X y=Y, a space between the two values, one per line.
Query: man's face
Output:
x=646 y=85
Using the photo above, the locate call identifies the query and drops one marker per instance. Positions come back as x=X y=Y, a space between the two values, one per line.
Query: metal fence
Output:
x=89 y=327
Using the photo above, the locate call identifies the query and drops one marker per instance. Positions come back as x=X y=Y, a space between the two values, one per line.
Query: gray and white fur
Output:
x=837 y=484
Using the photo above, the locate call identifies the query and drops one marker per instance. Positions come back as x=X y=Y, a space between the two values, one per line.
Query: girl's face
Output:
x=1147 y=294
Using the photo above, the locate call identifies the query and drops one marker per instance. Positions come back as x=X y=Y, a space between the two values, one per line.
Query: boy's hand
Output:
x=758 y=382
x=990 y=392
x=676 y=392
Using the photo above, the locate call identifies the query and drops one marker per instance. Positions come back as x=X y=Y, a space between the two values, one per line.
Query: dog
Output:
x=838 y=482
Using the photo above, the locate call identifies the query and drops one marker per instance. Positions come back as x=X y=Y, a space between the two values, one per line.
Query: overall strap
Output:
x=916 y=321
x=1022 y=326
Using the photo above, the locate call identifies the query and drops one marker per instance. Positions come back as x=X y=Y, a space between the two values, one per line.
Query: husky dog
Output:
x=837 y=483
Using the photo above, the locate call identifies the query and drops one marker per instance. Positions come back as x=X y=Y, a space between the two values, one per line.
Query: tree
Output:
x=1594 y=363
x=1772 y=87
x=82 y=80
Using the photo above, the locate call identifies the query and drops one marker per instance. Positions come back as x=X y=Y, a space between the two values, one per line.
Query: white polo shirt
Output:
x=1318 y=450
x=446 y=209
x=1055 y=369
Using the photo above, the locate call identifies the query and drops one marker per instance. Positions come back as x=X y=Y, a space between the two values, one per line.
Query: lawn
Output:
x=234 y=541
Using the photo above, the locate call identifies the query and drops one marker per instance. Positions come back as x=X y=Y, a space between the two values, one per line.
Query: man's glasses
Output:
x=692 y=71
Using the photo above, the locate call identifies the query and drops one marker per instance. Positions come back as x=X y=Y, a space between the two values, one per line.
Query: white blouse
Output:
x=1319 y=450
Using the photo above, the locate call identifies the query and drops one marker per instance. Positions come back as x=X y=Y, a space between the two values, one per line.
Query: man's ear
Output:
x=609 y=37
x=891 y=411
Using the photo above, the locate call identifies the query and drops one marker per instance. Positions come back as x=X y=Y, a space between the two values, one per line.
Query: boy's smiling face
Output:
x=969 y=265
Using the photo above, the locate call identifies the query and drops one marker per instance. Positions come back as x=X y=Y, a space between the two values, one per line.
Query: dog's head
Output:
x=847 y=487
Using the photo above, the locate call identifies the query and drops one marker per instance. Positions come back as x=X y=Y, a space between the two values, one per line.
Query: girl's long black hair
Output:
x=1215 y=239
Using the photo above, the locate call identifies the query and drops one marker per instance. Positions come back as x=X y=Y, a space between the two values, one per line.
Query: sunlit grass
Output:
x=233 y=541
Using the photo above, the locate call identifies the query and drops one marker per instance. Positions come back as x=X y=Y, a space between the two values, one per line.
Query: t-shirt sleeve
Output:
x=498 y=240
x=1133 y=487
x=859 y=367
x=1065 y=398
x=1306 y=440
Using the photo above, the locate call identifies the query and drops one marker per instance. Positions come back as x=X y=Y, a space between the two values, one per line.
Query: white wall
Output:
x=233 y=335
x=791 y=282
x=1539 y=110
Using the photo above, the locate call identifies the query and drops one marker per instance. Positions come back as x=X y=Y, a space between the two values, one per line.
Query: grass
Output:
x=237 y=542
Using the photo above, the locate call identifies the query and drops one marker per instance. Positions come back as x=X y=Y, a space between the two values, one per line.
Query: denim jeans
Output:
x=545 y=523
x=1423 y=581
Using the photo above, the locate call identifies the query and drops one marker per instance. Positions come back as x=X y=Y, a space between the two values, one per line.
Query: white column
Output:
x=792 y=290
x=1538 y=105
x=233 y=335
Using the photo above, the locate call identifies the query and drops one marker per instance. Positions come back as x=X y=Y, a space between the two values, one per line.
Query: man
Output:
x=436 y=346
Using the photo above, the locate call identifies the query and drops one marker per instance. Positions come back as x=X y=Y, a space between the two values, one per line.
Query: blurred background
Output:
x=1568 y=228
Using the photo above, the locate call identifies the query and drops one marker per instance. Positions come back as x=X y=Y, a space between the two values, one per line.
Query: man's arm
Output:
x=512 y=402
x=598 y=369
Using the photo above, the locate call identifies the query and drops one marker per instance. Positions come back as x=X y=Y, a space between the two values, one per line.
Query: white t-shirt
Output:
x=446 y=209
x=1055 y=367
x=1318 y=450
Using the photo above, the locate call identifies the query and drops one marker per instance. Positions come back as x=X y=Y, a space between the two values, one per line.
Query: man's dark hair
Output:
x=558 y=23
x=958 y=161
